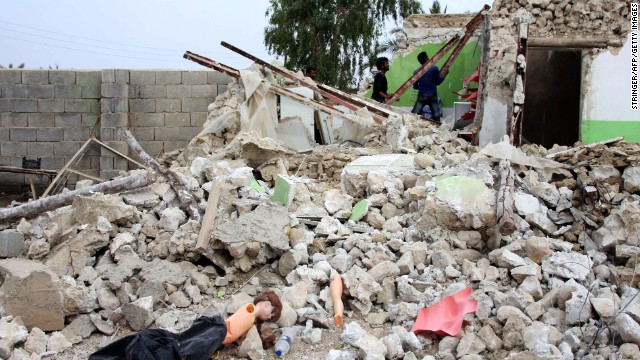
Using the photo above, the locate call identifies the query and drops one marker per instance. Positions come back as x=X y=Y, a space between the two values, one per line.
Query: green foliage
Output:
x=337 y=37
x=21 y=66
x=436 y=8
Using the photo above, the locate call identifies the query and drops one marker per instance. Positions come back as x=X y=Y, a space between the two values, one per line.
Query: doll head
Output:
x=268 y=308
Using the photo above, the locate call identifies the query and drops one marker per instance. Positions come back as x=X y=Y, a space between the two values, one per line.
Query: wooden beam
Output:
x=517 y=113
x=209 y=217
x=482 y=83
x=575 y=42
x=204 y=61
x=311 y=85
x=17 y=170
x=470 y=28
x=568 y=151
x=53 y=202
x=119 y=153
x=66 y=166
x=86 y=175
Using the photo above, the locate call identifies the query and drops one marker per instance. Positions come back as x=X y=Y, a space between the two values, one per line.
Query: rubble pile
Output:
x=403 y=230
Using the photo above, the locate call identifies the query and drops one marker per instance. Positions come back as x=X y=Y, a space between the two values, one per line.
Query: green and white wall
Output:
x=606 y=109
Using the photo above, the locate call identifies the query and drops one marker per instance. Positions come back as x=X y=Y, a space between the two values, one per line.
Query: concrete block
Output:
x=17 y=161
x=108 y=76
x=214 y=77
x=122 y=76
x=42 y=91
x=23 y=134
x=106 y=134
x=50 y=134
x=68 y=120
x=5 y=105
x=115 y=120
x=142 y=77
x=89 y=78
x=77 y=134
x=52 y=162
x=41 y=120
x=195 y=104
x=142 y=105
x=109 y=174
x=168 y=77
x=39 y=149
x=15 y=91
x=83 y=163
x=13 y=149
x=143 y=134
x=120 y=146
x=107 y=105
x=62 y=77
x=204 y=91
x=93 y=149
x=115 y=90
x=4 y=134
x=222 y=89
x=198 y=119
x=50 y=105
x=168 y=105
x=178 y=119
x=153 y=91
x=91 y=106
x=153 y=148
x=14 y=119
x=10 y=76
x=89 y=120
x=35 y=77
x=167 y=134
x=120 y=163
x=95 y=164
x=5 y=161
x=106 y=162
x=147 y=120
x=34 y=293
x=11 y=243
x=91 y=92
x=174 y=145
x=178 y=91
x=68 y=91
x=66 y=148
x=194 y=77
x=25 y=105
x=188 y=133
x=11 y=179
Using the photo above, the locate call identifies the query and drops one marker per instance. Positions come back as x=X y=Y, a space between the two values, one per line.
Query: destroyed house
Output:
x=578 y=60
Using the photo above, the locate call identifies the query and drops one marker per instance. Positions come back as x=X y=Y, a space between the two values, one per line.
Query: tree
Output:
x=337 y=37
x=436 y=9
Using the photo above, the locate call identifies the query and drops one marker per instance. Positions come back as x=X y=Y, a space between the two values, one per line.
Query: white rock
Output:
x=568 y=265
x=57 y=343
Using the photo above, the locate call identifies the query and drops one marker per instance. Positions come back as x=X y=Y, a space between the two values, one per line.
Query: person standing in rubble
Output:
x=380 y=80
x=427 y=87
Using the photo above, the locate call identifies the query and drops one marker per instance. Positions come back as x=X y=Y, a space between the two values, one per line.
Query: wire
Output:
x=103 y=41
x=86 y=51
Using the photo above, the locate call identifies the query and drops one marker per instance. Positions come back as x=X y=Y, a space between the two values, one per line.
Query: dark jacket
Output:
x=198 y=342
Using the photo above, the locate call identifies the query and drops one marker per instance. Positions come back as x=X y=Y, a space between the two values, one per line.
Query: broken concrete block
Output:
x=33 y=292
x=547 y=192
x=568 y=265
x=171 y=219
x=526 y=204
x=80 y=328
x=284 y=190
x=264 y=225
x=537 y=248
x=12 y=331
x=144 y=197
x=354 y=177
x=11 y=243
x=612 y=233
x=139 y=313
x=631 y=179
x=87 y=209
x=628 y=328
x=36 y=341
x=57 y=343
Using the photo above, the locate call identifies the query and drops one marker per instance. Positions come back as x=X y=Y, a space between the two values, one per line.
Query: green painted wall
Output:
x=402 y=68
x=598 y=130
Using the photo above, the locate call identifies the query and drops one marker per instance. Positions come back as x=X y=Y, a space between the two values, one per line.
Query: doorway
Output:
x=552 y=97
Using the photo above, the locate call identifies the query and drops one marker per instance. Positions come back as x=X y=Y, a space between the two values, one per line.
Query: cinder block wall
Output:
x=49 y=114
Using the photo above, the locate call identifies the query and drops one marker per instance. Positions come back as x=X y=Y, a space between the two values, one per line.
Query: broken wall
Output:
x=559 y=19
x=49 y=114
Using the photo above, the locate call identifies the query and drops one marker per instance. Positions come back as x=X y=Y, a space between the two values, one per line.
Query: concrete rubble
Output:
x=563 y=285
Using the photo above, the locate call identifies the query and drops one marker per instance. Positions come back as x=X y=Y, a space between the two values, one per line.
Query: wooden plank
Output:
x=66 y=166
x=482 y=83
x=209 y=217
x=470 y=28
x=17 y=170
x=311 y=85
x=575 y=42
x=568 y=151
x=86 y=175
x=119 y=153
x=204 y=61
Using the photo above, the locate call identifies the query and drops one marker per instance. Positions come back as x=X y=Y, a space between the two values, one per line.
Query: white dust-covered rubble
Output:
x=563 y=285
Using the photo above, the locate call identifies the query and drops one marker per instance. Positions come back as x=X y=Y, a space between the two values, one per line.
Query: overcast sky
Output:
x=135 y=34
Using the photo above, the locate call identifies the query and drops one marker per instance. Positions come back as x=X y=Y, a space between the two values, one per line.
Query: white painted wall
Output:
x=608 y=97
x=494 y=122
